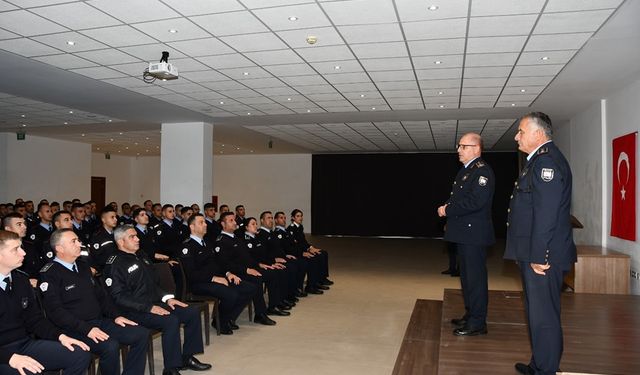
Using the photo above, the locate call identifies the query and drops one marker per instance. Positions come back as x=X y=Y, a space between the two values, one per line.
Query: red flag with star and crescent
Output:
x=623 y=207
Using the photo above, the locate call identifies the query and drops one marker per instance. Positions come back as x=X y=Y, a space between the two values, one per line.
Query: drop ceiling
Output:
x=383 y=76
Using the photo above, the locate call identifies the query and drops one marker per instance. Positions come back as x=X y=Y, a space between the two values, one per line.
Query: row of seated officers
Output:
x=106 y=293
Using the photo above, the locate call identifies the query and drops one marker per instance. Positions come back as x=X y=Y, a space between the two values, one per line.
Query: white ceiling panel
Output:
x=496 y=44
x=185 y=65
x=400 y=94
x=28 y=24
x=487 y=71
x=536 y=70
x=5 y=6
x=80 y=42
x=378 y=65
x=305 y=80
x=245 y=73
x=437 y=62
x=263 y=83
x=226 y=61
x=65 y=61
x=359 y=12
x=201 y=47
x=490 y=91
x=172 y=30
x=437 y=47
x=411 y=10
x=477 y=98
x=574 y=5
x=400 y=85
x=76 y=15
x=233 y=23
x=571 y=22
x=394 y=75
x=275 y=91
x=529 y=81
x=315 y=89
x=204 y=76
x=126 y=82
x=557 y=42
x=130 y=11
x=447 y=73
x=132 y=69
x=551 y=57
x=506 y=7
x=7 y=35
x=150 y=52
x=325 y=97
x=107 y=57
x=380 y=50
x=194 y=7
x=328 y=53
x=326 y=36
x=436 y=29
x=483 y=82
x=527 y=89
x=205 y=96
x=344 y=66
x=27 y=47
x=119 y=36
x=308 y=16
x=347 y=78
x=286 y=70
x=286 y=56
x=491 y=59
x=430 y=94
x=501 y=25
x=98 y=72
x=378 y=33
x=440 y=83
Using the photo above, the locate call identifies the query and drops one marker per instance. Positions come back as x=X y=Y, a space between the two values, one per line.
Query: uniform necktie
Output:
x=7 y=281
x=203 y=244
x=74 y=268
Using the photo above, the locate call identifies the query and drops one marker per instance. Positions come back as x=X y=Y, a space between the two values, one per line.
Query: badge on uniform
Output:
x=108 y=281
x=249 y=245
x=44 y=286
x=25 y=302
x=132 y=268
x=464 y=178
x=69 y=287
x=96 y=246
x=482 y=181
x=185 y=251
x=217 y=249
x=547 y=174
x=49 y=254
x=159 y=232
x=279 y=236
x=33 y=237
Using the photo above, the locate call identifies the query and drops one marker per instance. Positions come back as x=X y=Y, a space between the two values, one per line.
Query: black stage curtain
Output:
x=396 y=194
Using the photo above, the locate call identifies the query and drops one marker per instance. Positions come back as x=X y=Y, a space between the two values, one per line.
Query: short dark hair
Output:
x=185 y=209
x=263 y=214
x=295 y=212
x=54 y=203
x=225 y=214
x=208 y=206
x=125 y=204
x=137 y=211
x=223 y=205
x=166 y=206
x=69 y=202
x=193 y=217
x=106 y=209
x=6 y=235
x=8 y=217
x=58 y=214
x=76 y=205
x=42 y=204
x=278 y=214
x=239 y=206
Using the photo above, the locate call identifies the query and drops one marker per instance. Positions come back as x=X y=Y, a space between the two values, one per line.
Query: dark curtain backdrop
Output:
x=396 y=194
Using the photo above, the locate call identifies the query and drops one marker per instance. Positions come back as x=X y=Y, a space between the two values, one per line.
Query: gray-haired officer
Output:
x=469 y=226
x=540 y=238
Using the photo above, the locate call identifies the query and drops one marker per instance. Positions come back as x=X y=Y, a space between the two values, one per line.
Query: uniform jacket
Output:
x=227 y=249
x=200 y=263
x=271 y=246
x=286 y=242
x=102 y=247
x=213 y=231
x=539 y=226
x=298 y=238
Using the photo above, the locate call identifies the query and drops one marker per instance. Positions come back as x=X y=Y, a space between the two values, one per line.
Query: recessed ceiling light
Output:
x=437 y=62
x=221 y=102
x=110 y=120
x=245 y=73
x=23 y=116
x=522 y=90
x=249 y=113
x=288 y=99
x=127 y=147
x=223 y=145
x=71 y=42
x=544 y=58
x=98 y=148
x=120 y=133
x=293 y=18
x=82 y=134
x=396 y=134
x=433 y=7
x=119 y=151
x=135 y=143
x=164 y=80
x=440 y=92
x=308 y=110
x=24 y=125
x=237 y=148
x=111 y=139
x=441 y=105
x=373 y=108
x=71 y=112
x=513 y=104
x=173 y=31
x=66 y=123
x=146 y=150
x=362 y=95
x=337 y=67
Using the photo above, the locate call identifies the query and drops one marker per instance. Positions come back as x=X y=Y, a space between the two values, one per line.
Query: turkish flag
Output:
x=623 y=208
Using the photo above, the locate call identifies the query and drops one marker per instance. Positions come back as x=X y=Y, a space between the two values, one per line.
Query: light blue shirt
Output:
x=3 y=285
x=46 y=226
x=168 y=222
x=536 y=150
x=143 y=229
x=229 y=234
x=66 y=265
x=197 y=239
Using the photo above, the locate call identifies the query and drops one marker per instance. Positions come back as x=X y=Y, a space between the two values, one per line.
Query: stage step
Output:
x=419 y=351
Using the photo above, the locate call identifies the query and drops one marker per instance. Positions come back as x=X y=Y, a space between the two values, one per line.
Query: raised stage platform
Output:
x=601 y=336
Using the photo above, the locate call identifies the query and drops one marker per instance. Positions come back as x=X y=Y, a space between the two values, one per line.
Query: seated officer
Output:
x=213 y=227
x=185 y=214
x=241 y=221
x=156 y=215
x=82 y=230
x=206 y=276
x=78 y=305
x=61 y=220
x=39 y=232
x=320 y=256
x=168 y=232
x=148 y=237
x=125 y=218
x=55 y=207
x=22 y=318
x=133 y=284
x=14 y=222
x=102 y=242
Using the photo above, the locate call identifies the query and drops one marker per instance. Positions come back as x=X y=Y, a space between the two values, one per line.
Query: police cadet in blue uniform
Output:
x=21 y=317
x=39 y=233
x=304 y=267
x=77 y=304
x=15 y=222
x=102 y=242
x=540 y=238
x=317 y=257
x=134 y=286
x=213 y=227
x=469 y=226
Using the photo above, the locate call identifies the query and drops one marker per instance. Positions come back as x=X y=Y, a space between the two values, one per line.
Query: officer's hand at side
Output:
x=253 y=272
x=122 y=321
x=173 y=262
x=442 y=210
x=161 y=257
x=172 y=302
x=97 y=335
x=220 y=280
x=159 y=310
x=291 y=257
x=234 y=279
x=539 y=268
x=68 y=343
x=23 y=362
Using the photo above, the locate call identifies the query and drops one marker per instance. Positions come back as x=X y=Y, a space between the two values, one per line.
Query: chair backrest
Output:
x=165 y=277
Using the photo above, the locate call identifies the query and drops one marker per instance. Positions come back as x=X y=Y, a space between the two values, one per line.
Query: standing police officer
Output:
x=469 y=226
x=540 y=238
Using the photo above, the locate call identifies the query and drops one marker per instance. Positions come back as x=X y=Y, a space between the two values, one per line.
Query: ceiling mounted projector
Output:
x=161 y=70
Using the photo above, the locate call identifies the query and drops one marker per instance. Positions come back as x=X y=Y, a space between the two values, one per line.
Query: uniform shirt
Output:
x=102 y=247
x=20 y=315
x=132 y=282
x=469 y=205
x=200 y=262
x=72 y=298
x=227 y=249
x=539 y=225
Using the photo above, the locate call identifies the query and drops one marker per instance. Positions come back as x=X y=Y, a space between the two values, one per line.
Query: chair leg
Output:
x=250 y=311
x=152 y=369
x=216 y=306
x=207 y=323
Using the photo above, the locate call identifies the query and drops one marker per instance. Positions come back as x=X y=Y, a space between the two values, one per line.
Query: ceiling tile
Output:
x=440 y=83
x=4 y=34
x=377 y=33
x=493 y=91
x=304 y=80
x=447 y=73
x=355 y=87
x=505 y=7
x=501 y=25
x=571 y=22
x=76 y=15
x=400 y=94
x=286 y=70
x=254 y=42
x=201 y=47
x=256 y=4
x=315 y=89
x=5 y=6
x=345 y=66
x=28 y=24
x=308 y=16
x=437 y=47
x=286 y=56
x=98 y=72
x=226 y=61
x=204 y=76
x=245 y=73
x=377 y=65
x=27 y=47
x=431 y=93
x=411 y=10
x=59 y=41
x=536 y=70
x=65 y=61
x=161 y=30
x=491 y=59
x=132 y=69
x=487 y=71
x=358 y=12
x=552 y=57
x=185 y=65
x=380 y=50
x=107 y=57
x=204 y=96
x=557 y=42
x=394 y=75
x=326 y=36
x=328 y=53
x=135 y=10
x=195 y=7
x=437 y=62
x=256 y=100
x=478 y=98
x=263 y=83
x=184 y=88
x=126 y=82
x=518 y=98
x=275 y=91
x=151 y=52
x=119 y=36
x=572 y=5
x=233 y=23
x=400 y=85
x=530 y=81
x=496 y=44
x=347 y=78
x=484 y=82
x=435 y=29
x=518 y=89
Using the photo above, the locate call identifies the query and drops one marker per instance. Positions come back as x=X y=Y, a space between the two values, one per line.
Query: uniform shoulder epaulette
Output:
x=111 y=259
x=480 y=164
x=186 y=241
x=46 y=267
x=247 y=237
x=219 y=237
x=543 y=150
x=22 y=272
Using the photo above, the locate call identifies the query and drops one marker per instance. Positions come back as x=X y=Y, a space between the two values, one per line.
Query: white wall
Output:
x=38 y=167
x=145 y=179
x=264 y=182
x=128 y=179
x=585 y=156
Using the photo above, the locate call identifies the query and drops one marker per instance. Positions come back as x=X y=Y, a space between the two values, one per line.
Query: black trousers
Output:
x=473 y=276
x=170 y=327
x=109 y=351
x=259 y=304
x=291 y=277
x=542 y=304
x=233 y=298
x=276 y=283
x=51 y=354
x=323 y=264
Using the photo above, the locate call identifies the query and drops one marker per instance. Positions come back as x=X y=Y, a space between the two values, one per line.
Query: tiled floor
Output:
x=358 y=325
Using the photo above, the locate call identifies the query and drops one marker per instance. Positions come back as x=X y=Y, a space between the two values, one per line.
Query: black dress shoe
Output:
x=447 y=272
x=326 y=282
x=292 y=300
x=264 y=320
x=284 y=306
x=233 y=325
x=192 y=363
x=277 y=311
x=289 y=302
x=301 y=294
x=459 y=322
x=455 y=274
x=321 y=287
x=224 y=330
x=524 y=369
x=170 y=371
x=466 y=331
x=314 y=291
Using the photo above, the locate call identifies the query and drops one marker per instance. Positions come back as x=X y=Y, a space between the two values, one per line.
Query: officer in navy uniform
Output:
x=39 y=233
x=102 y=243
x=540 y=238
x=77 y=304
x=213 y=227
x=125 y=218
x=22 y=318
x=168 y=240
x=147 y=236
x=304 y=267
x=14 y=222
x=133 y=284
x=79 y=227
x=206 y=276
x=241 y=221
x=470 y=227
